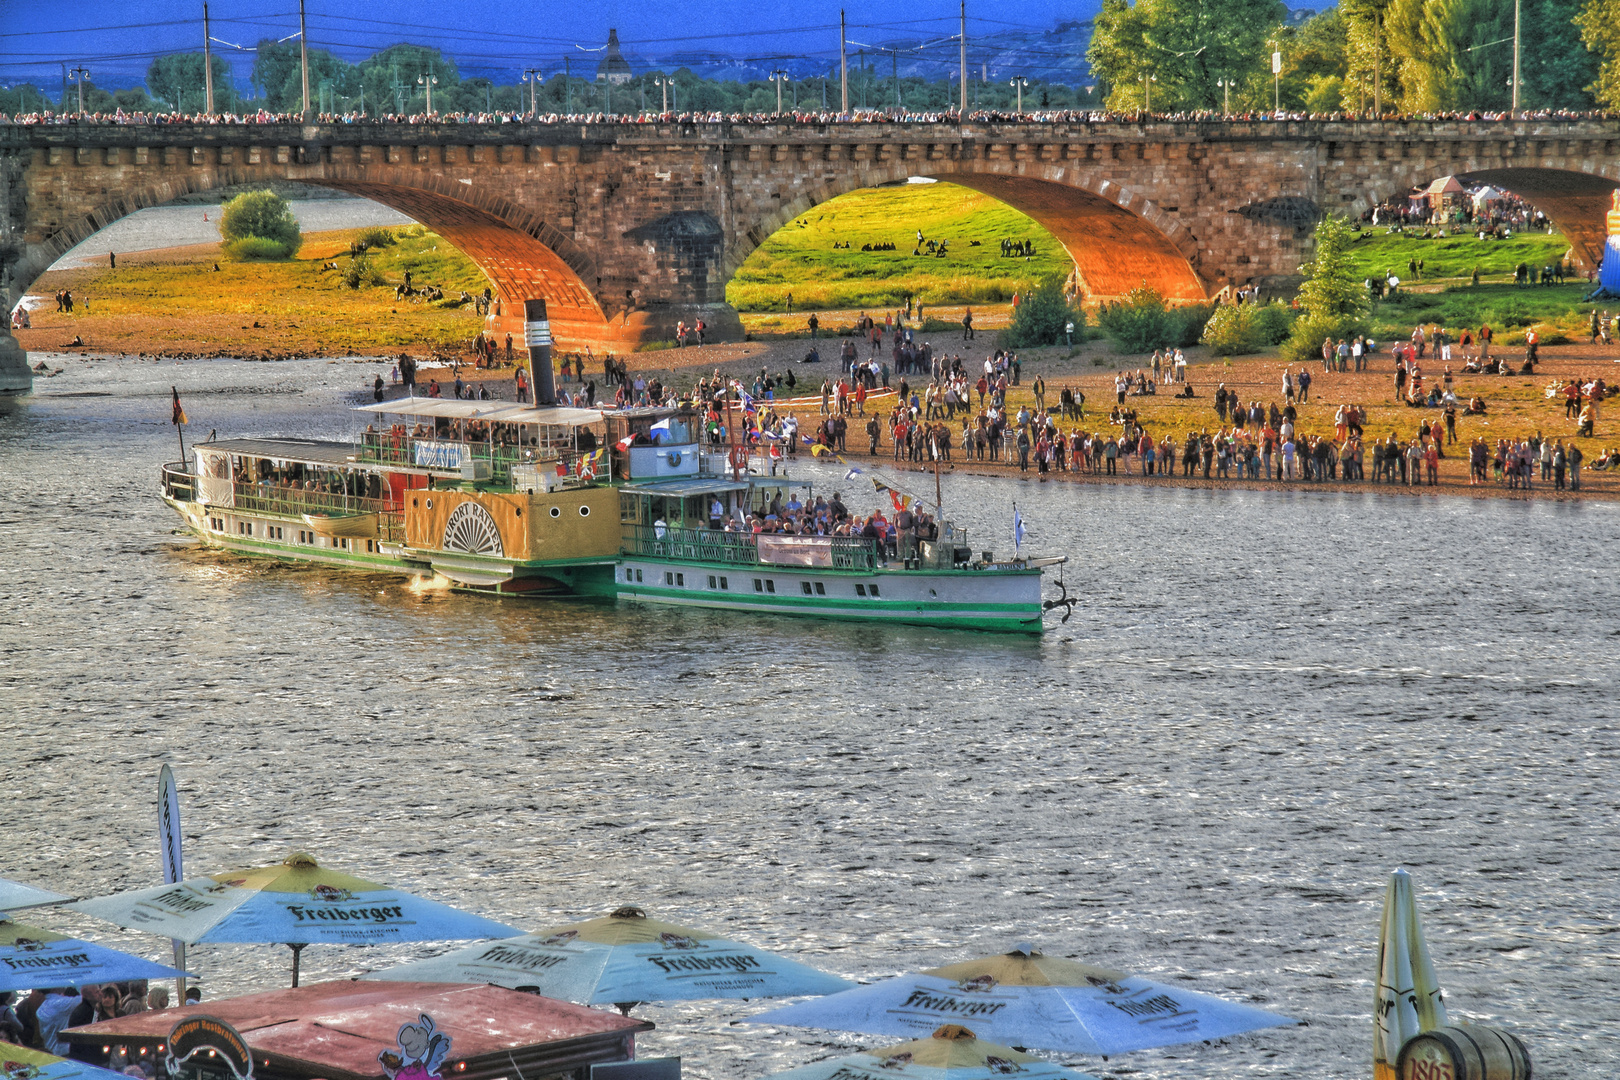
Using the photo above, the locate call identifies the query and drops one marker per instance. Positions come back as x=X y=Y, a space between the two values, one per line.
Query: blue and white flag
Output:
x=852 y=474
x=1018 y=529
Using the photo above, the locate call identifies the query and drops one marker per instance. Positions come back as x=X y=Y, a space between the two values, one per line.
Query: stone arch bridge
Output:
x=627 y=228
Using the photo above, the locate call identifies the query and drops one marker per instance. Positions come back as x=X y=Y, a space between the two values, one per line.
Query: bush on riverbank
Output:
x=1143 y=321
x=260 y=225
x=1044 y=318
x=1239 y=329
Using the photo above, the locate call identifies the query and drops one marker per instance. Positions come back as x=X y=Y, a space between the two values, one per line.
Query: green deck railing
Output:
x=736 y=549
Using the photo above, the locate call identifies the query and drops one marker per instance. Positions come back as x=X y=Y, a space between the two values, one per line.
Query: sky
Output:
x=116 y=40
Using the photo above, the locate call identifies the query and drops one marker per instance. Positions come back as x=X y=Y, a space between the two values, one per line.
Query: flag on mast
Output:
x=1018 y=528
x=179 y=416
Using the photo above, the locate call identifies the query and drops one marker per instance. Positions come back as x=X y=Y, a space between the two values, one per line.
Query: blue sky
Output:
x=116 y=40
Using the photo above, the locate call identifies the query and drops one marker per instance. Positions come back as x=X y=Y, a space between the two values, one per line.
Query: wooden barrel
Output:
x=1464 y=1052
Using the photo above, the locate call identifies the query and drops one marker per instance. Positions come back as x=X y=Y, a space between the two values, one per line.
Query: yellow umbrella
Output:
x=1408 y=999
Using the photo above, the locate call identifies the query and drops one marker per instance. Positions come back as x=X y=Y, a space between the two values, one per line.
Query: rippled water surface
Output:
x=1269 y=702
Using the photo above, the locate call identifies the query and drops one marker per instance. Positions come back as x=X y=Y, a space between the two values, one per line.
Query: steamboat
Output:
x=544 y=500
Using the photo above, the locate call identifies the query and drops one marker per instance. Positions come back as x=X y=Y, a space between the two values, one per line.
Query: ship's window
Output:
x=712 y=583
x=368 y=546
x=759 y=586
x=821 y=590
x=770 y=586
x=584 y=511
x=723 y=584
x=556 y=511
x=934 y=594
x=669 y=578
x=629 y=574
x=638 y=575
x=860 y=590
x=872 y=588
x=805 y=585
x=680 y=579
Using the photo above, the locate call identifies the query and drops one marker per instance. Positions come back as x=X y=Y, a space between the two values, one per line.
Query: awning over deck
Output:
x=685 y=489
x=307 y=451
x=500 y=412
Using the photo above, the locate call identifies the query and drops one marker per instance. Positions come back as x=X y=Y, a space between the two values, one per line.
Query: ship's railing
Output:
x=446 y=455
x=178 y=482
x=742 y=549
x=292 y=502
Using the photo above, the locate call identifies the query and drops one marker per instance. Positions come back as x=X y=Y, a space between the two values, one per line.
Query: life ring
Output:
x=674 y=457
x=739 y=457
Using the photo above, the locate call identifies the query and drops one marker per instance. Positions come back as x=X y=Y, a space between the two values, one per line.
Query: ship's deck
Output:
x=308 y=451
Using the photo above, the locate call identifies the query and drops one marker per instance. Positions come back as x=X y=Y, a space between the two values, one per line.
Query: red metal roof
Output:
x=339 y=1028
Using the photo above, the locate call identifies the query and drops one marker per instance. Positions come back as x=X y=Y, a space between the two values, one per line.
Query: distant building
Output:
x=614 y=67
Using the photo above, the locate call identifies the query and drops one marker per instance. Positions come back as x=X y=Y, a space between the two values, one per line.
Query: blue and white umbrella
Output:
x=22 y=1063
x=31 y=957
x=296 y=902
x=1027 y=999
x=951 y=1053
x=14 y=896
x=620 y=958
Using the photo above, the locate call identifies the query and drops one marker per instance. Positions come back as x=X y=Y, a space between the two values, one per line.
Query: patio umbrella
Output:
x=22 y=1063
x=30 y=957
x=951 y=1053
x=621 y=958
x=296 y=902
x=1408 y=999
x=1027 y=999
x=14 y=896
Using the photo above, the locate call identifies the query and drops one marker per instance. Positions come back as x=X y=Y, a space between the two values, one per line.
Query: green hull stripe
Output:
x=968 y=617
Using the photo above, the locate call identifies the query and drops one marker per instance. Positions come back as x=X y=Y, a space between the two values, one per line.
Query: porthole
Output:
x=415 y=503
x=517 y=512
x=556 y=511
x=430 y=504
x=584 y=511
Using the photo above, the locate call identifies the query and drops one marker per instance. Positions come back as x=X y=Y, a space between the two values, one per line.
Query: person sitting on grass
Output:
x=1476 y=406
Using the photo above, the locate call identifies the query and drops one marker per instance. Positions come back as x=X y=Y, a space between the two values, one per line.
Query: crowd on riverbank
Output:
x=799 y=117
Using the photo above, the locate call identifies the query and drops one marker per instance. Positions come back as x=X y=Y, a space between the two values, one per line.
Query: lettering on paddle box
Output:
x=212 y=1038
x=422 y=1049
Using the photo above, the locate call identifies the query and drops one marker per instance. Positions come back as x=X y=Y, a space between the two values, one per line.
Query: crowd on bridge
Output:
x=798 y=117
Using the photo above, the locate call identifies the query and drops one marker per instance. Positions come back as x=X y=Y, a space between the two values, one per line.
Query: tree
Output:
x=273 y=63
x=1371 y=64
x=261 y=216
x=1451 y=54
x=1557 y=69
x=390 y=78
x=1043 y=317
x=1333 y=301
x=1599 y=21
x=177 y=81
x=1185 y=45
x=1315 y=62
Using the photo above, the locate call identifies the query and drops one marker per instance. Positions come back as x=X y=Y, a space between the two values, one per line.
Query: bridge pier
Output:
x=15 y=376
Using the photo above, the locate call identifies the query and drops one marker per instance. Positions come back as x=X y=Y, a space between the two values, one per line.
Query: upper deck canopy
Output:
x=501 y=412
x=308 y=451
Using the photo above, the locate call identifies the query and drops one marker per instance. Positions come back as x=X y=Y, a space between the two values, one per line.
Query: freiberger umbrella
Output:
x=296 y=902
x=1408 y=1000
x=31 y=957
x=950 y=1053
x=14 y=896
x=1027 y=999
x=620 y=958
x=23 y=1063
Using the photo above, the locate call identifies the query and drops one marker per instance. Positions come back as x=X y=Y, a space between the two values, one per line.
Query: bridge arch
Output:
x=519 y=252
x=1116 y=237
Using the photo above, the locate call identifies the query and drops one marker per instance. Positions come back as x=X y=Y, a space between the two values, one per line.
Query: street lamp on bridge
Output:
x=1147 y=93
x=428 y=81
x=532 y=77
x=666 y=86
x=1226 y=85
x=1018 y=82
x=80 y=74
x=779 y=77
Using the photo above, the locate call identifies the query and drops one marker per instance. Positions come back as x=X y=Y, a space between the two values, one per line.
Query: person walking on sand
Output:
x=967 y=325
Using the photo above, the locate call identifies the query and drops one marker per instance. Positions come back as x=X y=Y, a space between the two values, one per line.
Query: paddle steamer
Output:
x=512 y=499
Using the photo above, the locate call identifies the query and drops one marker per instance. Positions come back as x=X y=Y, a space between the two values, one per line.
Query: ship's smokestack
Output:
x=537 y=335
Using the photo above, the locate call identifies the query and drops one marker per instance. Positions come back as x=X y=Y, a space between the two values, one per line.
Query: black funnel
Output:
x=537 y=335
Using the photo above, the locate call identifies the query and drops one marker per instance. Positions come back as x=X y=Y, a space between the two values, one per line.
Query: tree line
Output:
x=1401 y=56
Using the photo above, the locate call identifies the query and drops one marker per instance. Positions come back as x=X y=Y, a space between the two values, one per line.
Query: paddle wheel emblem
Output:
x=471 y=529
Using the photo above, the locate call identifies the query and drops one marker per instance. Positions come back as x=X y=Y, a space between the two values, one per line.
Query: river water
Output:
x=1268 y=702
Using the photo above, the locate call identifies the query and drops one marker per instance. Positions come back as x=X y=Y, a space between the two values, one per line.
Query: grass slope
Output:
x=1453 y=258
x=799 y=258
x=176 y=302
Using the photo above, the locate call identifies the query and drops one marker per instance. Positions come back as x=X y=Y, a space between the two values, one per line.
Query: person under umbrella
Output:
x=297 y=902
